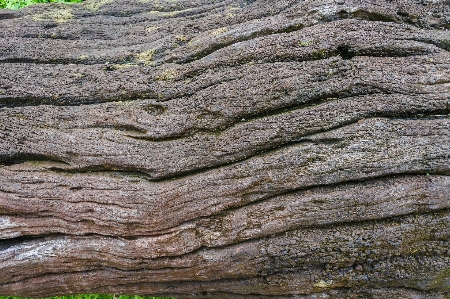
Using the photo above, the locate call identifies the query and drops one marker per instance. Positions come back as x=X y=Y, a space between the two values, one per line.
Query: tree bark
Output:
x=226 y=149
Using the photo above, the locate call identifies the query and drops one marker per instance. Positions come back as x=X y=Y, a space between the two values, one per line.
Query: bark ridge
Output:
x=226 y=149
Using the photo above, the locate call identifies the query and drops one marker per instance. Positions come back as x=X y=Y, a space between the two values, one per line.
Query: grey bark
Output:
x=226 y=149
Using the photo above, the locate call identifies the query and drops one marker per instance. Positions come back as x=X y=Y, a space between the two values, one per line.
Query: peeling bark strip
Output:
x=226 y=149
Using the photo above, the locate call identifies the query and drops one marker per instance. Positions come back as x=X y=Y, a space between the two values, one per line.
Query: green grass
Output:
x=93 y=296
x=16 y=4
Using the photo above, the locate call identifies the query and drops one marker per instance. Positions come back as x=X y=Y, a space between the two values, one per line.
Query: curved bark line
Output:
x=400 y=293
x=296 y=250
x=279 y=212
x=235 y=149
x=243 y=20
x=196 y=156
x=200 y=152
x=391 y=40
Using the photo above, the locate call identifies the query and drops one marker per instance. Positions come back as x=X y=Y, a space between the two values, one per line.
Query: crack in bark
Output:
x=19 y=158
x=271 y=149
x=253 y=173
x=193 y=223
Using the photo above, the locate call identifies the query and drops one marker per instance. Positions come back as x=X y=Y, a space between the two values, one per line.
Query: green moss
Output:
x=169 y=14
x=59 y=15
x=166 y=75
x=152 y=28
x=146 y=57
x=320 y=54
x=181 y=38
x=324 y=284
x=305 y=42
x=94 y=5
x=219 y=31
x=441 y=280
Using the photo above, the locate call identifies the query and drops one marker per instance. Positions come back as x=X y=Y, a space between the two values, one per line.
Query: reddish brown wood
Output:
x=226 y=149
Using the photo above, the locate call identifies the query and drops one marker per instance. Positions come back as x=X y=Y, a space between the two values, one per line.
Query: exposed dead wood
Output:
x=226 y=149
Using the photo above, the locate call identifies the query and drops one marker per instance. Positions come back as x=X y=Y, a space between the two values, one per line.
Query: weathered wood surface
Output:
x=226 y=149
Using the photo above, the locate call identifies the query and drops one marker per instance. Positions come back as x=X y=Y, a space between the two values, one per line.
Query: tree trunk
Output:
x=226 y=149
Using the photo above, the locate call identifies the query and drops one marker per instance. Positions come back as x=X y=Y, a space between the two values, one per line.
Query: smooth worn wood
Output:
x=226 y=149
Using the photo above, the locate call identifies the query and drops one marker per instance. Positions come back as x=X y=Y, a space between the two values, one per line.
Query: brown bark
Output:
x=226 y=149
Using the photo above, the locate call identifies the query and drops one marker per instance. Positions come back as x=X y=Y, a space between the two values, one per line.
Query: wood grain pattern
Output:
x=226 y=149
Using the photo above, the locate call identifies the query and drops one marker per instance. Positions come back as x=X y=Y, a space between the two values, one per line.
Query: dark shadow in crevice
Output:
x=19 y=158
x=346 y=52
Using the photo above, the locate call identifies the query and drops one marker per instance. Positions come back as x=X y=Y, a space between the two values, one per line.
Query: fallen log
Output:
x=226 y=149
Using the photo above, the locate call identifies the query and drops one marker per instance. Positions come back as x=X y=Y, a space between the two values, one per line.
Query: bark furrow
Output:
x=226 y=149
